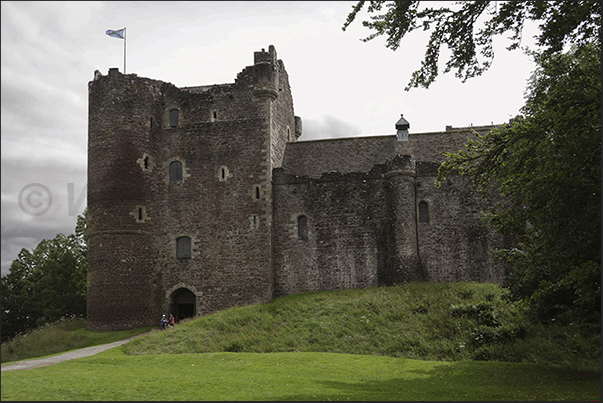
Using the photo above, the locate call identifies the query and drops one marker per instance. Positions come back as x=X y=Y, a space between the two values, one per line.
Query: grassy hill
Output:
x=408 y=342
x=428 y=321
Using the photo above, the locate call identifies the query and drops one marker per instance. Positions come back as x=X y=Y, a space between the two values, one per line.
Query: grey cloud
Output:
x=20 y=229
x=327 y=127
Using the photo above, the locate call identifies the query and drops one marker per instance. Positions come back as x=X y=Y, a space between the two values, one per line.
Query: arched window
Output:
x=423 y=212
x=183 y=247
x=174 y=115
x=176 y=171
x=302 y=227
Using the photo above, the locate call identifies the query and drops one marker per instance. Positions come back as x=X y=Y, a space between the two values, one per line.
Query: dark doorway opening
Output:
x=182 y=304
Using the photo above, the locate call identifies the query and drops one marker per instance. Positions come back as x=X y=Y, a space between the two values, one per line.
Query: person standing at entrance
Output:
x=171 y=321
x=163 y=323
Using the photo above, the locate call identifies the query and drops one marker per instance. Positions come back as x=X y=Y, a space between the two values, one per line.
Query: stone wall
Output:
x=345 y=244
x=380 y=182
x=454 y=244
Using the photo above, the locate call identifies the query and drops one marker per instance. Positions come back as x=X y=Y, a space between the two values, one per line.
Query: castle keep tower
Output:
x=180 y=193
x=124 y=284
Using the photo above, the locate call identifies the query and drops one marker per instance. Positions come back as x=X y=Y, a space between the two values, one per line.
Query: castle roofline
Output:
x=204 y=88
x=449 y=130
x=342 y=138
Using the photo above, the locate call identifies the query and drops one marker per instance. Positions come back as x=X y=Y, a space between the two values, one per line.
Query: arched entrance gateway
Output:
x=182 y=303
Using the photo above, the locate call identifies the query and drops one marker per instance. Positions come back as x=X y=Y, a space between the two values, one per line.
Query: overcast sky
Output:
x=342 y=87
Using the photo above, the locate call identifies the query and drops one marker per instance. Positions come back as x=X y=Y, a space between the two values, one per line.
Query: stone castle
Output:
x=201 y=199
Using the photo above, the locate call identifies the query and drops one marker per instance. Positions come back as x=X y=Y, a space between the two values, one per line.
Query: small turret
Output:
x=404 y=264
x=402 y=127
x=265 y=64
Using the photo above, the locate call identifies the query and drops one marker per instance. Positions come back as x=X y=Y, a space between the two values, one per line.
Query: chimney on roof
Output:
x=402 y=127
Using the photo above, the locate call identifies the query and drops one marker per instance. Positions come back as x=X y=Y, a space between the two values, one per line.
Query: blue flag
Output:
x=116 y=34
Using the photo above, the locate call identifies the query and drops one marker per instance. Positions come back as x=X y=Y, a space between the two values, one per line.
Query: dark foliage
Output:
x=46 y=284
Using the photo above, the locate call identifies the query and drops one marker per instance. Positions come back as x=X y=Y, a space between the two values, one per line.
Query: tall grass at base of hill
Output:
x=58 y=337
x=427 y=321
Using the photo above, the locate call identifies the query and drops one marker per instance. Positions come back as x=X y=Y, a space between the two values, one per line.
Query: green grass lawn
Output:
x=113 y=375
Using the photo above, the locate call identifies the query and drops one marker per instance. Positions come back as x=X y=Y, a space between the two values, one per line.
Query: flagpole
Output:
x=124 y=50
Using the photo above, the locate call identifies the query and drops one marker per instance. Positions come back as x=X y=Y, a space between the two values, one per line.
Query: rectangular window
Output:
x=174 y=114
x=176 y=171
x=423 y=212
x=302 y=227
x=183 y=247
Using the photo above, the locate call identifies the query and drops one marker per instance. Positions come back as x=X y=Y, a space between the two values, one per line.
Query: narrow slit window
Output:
x=215 y=115
x=423 y=212
x=139 y=213
x=254 y=221
x=146 y=162
x=223 y=174
x=174 y=116
x=176 y=171
x=183 y=247
x=302 y=227
x=257 y=193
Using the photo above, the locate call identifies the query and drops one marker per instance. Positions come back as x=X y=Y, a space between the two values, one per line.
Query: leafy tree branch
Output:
x=467 y=29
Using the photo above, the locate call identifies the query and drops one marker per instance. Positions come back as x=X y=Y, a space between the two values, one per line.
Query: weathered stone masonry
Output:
x=201 y=198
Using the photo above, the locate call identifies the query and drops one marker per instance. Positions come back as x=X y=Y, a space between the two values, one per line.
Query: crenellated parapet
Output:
x=400 y=165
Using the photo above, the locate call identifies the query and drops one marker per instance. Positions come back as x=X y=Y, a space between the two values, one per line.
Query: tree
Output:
x=469 y=37
x=46 y=284
x=546 y=166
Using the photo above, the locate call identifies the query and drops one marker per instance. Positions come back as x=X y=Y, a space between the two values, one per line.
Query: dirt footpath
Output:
x=71 y=355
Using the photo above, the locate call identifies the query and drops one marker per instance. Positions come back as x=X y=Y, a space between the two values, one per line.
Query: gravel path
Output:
x=71 y=355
